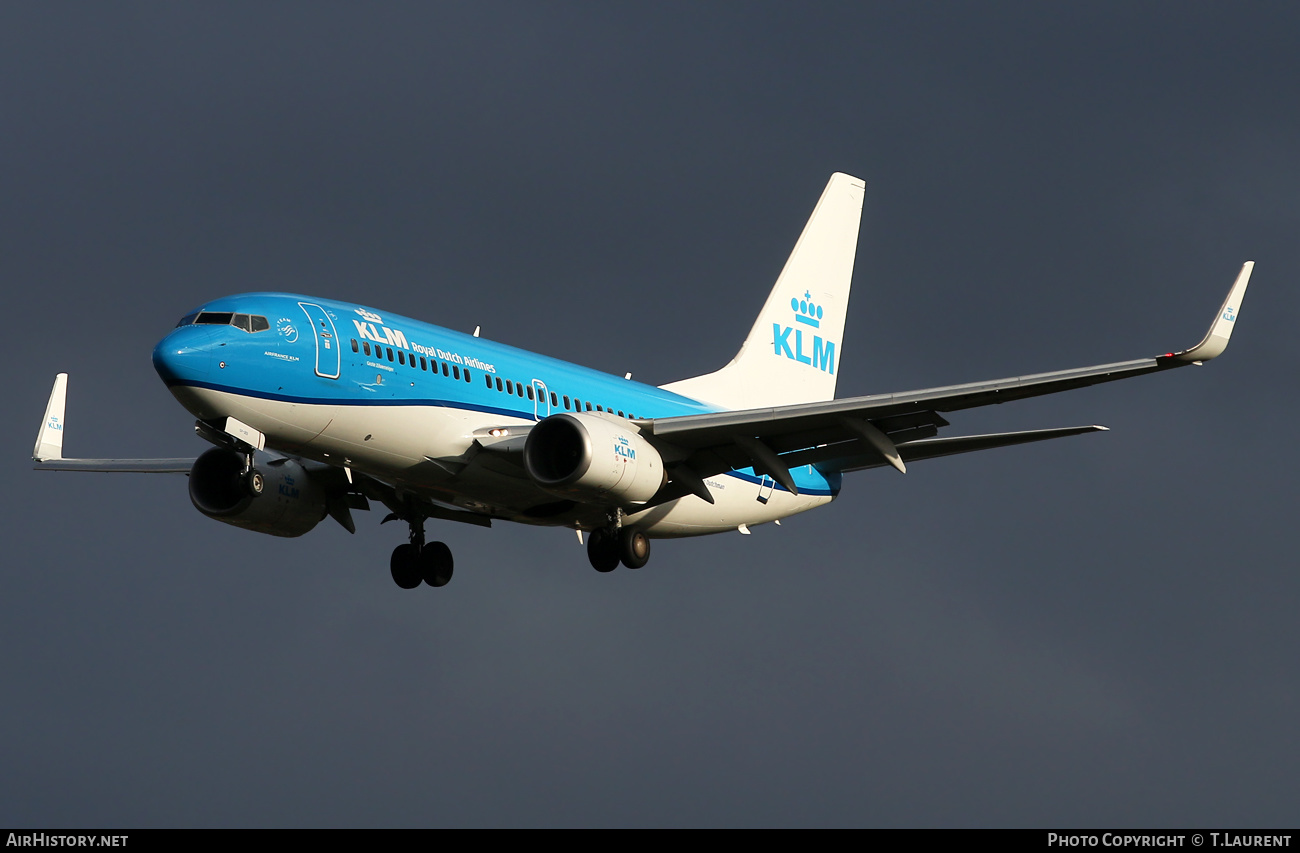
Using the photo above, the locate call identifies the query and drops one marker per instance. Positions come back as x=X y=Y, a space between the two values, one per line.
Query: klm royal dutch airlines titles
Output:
x=317 y=408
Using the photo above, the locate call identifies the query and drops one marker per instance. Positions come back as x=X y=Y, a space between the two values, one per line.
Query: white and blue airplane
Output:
x=318 y=407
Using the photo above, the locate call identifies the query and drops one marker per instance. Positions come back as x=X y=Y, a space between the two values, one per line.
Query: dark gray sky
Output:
x=1095 y=631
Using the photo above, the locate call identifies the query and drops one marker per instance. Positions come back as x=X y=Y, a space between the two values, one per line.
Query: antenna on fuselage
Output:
x=476 y=328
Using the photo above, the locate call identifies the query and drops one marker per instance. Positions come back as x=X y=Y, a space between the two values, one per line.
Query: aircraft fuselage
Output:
x=406 y=401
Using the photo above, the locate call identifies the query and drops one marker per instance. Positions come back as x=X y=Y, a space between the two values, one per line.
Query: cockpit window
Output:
x=247 y=322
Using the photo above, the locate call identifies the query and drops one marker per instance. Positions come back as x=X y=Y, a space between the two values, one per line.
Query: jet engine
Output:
x=276 y=497
x=589 y=457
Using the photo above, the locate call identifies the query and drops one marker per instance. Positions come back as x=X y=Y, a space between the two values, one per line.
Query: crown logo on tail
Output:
x=806 y=312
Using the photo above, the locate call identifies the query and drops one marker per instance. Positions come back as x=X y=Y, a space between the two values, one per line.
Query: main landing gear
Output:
x=419 y=561
x=608 y=546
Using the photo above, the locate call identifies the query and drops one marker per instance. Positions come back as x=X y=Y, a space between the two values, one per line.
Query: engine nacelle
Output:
x=290 y=503
x=589 y=457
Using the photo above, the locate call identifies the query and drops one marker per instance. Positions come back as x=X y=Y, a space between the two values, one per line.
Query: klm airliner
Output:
x=317 y=407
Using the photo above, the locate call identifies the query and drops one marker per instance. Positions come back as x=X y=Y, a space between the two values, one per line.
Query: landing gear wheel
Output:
x=633 y=548
x=405 y=566
x=256 y=482
x=602 y=550
x=435 y=564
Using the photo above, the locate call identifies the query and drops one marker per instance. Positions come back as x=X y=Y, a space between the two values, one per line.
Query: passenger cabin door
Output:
x=328 y=358
x=541 y=401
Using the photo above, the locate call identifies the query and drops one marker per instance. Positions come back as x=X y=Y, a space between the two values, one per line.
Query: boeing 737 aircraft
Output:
x=317 y=407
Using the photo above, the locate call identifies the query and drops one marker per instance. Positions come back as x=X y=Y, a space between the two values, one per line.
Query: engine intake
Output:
x=290 y=503
x=589 y=457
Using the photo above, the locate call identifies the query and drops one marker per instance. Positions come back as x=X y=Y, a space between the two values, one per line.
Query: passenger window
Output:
x=390 y=353
x=554 y=402
x=599 y=409
x=510 y=389
x=577 y=404
x=566 y=402
x=589 y=406
x=488 y=380
x=445 y=371
x=455 y=372
x=260 y=323
x=467 y=374
x=401 y=357
x=365 y=347
x=423 y=365
x=498 y=383
x=355 y=346
x=620 y=414
x=530 y=392
x=519 y=389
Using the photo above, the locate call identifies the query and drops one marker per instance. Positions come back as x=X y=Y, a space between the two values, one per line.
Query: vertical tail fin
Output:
x=793 y=351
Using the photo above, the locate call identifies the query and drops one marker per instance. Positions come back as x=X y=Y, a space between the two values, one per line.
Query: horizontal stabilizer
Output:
x=932 y=448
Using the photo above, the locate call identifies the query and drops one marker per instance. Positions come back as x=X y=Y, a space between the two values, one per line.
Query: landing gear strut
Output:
x=420 y=561
x=253 y=479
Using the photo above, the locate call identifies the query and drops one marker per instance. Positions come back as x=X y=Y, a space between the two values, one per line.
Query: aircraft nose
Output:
x=183 y=355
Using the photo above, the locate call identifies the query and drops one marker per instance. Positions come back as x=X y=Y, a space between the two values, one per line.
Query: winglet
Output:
x=49 y=441
x=1216 y=339
x=47 y=455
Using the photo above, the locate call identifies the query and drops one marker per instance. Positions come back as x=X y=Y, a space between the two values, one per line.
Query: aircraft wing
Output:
x=48 y=453
x=879 y=426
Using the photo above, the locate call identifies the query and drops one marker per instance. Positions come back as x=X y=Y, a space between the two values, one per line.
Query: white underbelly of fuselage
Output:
x=427 y=450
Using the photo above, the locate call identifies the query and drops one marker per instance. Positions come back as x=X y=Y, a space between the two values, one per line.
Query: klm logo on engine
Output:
x=288 y=489
x=624 y=448
x=790 y=341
